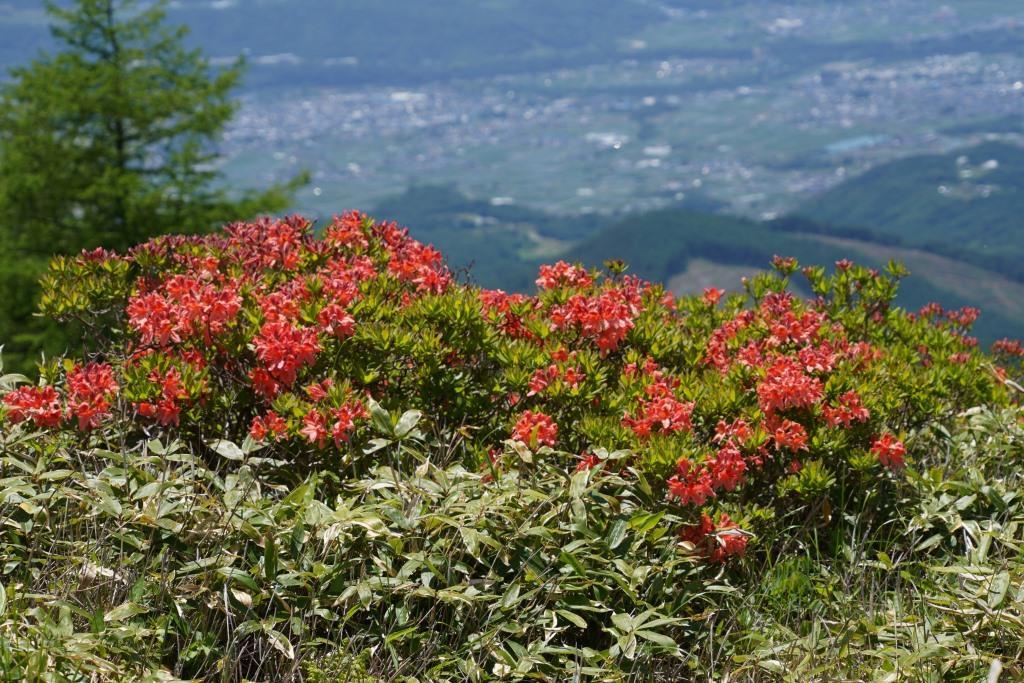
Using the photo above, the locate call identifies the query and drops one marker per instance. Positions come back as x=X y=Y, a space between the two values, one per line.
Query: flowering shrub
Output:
x=328 y=443
x=265 y=331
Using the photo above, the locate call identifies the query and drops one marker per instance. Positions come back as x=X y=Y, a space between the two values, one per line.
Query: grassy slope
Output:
x=903 y=199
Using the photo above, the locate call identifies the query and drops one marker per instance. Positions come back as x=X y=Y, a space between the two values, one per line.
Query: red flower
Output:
x=335 y=321
x=573 y=377
x=541 y=379
x=689 y=486
x=271 y=425
x=317 y=391
x=890 y=451
x=588 y=462
x=534 y=429
x=791 y=436
x=165 y=411
x=264 y=383
x=965 y=317
x=498 y=307
x=1009 y=347
x=347 y=231
x=186 y=307
x=419 y=264
x=786 y=386
x=90 y=389
x=712 y=295
x=717 y=542
x=561 y=274
x=784 y=264
x=727 y=468
x=151 y=316
x=605 y=318
x=345 y=421
x=167 y=408
x=40 y=404
x=664 y=414
x=314 y=428
x=697 y=533
x=737 y=431
x=849 y=410
x=285 y=349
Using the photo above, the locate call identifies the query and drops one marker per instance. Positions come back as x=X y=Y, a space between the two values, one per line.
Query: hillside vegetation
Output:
x=967 y=203
x=660 y=245
x=502 y=246
x=286 y=457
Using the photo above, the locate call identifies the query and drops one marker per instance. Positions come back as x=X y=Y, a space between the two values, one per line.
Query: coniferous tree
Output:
x=108 y=140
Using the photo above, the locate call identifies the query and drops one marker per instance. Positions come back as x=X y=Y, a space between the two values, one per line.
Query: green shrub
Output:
x=291 y=458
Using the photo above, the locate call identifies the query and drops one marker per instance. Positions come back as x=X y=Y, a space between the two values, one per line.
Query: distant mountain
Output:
x=686 y=248
x=968 y=204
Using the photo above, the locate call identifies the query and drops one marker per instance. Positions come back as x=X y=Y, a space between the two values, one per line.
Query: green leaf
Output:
x=573 y=562
x=10 y=381
x=381 y=419
x=227 y=449
x=124 y=611
x=645 y=521
x=623 y=622
x=281 y=643
x=573 y=618
x=148 y=490
x=657 y=638
x=511 y=596
x=407 y=423
x=270 y=558
x=772 y=666
x=235 y=574
x=54 y=475
x=616 y=534
x=107 y=503
x=401 y=634
x=997 y=588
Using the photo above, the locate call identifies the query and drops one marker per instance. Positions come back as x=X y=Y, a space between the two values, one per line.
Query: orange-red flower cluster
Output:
x=283 y=349
x=563 y=274
x=605 y=318
x=716 y=541
x=89 y=392
x=535 y=429
x=184 y=307
x=890 y=451
x=167 y=409
x=41 y=405
x=268 y=427
x=90 y=389
x=787 y=386
x=849 y=409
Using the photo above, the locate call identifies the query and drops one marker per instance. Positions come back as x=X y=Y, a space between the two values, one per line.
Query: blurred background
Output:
x=694 y=139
